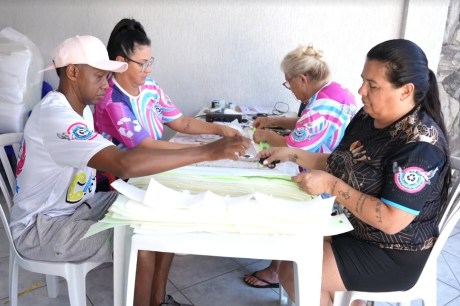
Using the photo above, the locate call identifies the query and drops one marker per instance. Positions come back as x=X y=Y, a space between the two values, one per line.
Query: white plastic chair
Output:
x=425 y=288
x=284 y=297
x=74 y=273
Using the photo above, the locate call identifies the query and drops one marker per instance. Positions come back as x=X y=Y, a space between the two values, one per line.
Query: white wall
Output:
x=231 y=49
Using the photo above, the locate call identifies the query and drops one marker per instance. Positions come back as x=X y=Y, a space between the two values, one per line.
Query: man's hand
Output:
x=227 y=148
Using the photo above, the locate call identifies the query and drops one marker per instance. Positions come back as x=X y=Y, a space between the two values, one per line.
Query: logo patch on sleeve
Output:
x=412 y=179
x=79 y=131
x=300 y=134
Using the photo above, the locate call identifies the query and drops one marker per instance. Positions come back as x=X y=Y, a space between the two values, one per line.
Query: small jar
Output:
x=230 y=105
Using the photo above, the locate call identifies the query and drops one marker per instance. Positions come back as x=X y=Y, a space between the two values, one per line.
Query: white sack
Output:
x=12 y=117
x=20 y=63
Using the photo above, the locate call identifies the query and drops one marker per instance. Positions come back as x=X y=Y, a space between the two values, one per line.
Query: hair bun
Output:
x=311 y=51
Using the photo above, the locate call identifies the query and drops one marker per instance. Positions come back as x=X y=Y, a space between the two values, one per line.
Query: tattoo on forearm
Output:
x=360 y=203
x=378 y=210
x=333 y=187
x=344 y=194
x=293 y=158
x=187 y=125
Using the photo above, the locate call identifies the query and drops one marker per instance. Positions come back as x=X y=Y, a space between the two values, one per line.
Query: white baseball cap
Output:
x=85 y=49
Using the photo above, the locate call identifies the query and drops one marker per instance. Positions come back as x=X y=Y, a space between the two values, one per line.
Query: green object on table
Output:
x=226 y=181
x=264 y=145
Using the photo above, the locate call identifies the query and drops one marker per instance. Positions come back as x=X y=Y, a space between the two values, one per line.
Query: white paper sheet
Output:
x=163 y=209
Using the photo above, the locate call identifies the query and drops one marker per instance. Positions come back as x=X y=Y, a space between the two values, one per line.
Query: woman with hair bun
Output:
x=329 y=106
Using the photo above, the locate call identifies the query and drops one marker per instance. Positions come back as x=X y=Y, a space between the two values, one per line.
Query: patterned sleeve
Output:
x=411 y=175
x=125 y=127
x=316 y=130
x=169 y=110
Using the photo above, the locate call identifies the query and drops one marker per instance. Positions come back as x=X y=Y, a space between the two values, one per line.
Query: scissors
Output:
x=259 y=115
x=272 y=165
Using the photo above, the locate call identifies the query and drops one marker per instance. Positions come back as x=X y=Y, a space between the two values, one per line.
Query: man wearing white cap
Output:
x=56 y=175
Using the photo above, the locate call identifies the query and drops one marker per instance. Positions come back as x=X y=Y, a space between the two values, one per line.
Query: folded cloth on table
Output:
x=254 y=213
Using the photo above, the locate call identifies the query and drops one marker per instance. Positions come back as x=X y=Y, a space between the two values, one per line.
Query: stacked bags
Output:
x=20 y=80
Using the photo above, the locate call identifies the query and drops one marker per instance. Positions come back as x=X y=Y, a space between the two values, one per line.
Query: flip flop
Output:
x=268 y=284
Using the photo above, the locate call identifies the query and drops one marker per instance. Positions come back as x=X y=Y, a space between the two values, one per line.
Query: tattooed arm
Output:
x=305 y=159
x=367 y=208
x=189 y=125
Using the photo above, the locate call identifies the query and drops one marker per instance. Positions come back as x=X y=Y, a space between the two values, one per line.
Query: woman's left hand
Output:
x=261 y=135
x=315 y=182
x=227 y=131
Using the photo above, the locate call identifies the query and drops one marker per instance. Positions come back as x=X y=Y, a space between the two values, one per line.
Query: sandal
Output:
x=268 y=284
x=171 y=302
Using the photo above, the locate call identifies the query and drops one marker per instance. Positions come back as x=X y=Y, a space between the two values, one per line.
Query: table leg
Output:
x=121 y=245
x=308 y=273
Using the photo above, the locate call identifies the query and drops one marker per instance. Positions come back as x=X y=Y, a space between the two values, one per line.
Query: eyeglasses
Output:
x=143 y=65
x=287 y=85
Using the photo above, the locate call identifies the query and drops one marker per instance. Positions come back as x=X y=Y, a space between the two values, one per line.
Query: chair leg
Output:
x=52 y=284
x=283 y=297
x=13 y=280
x=76 y=283
x=430 y=297
x=431 y=300
x=342 y=298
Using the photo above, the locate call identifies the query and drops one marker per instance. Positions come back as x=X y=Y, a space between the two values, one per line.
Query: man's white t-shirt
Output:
x=52 y=174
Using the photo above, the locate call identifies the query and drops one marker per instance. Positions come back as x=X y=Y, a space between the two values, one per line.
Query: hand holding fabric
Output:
x=315 y=182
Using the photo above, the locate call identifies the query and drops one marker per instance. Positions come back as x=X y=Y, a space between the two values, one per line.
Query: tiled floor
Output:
x=206 y=281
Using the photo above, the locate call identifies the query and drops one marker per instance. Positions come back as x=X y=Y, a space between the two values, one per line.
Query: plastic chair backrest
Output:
x=73 y=273
x=9 y=153
x=450 y=215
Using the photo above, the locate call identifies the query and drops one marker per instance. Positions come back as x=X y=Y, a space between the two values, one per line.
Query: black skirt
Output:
x=367 y=267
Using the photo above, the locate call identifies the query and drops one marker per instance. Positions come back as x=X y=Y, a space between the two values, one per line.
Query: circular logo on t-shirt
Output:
x=411 y=180
x=300 y=135
x=157 y=108
x=80 y=131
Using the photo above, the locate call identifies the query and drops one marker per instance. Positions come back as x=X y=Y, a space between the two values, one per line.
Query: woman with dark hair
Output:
x=132 y=114
x=135 y=109
x=390 y=172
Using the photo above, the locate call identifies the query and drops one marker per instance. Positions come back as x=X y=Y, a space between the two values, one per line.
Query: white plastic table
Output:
x=305 y=250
